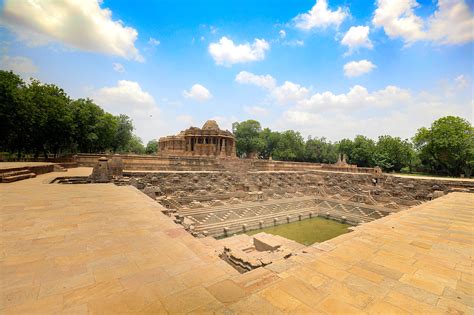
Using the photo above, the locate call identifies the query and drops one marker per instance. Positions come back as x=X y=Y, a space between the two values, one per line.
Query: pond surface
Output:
x=308 y=231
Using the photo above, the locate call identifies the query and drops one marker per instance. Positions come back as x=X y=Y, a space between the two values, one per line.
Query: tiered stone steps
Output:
x=254 y=215
x=16 y=175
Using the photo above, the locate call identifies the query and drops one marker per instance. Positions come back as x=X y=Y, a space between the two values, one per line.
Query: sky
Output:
x=325 y=68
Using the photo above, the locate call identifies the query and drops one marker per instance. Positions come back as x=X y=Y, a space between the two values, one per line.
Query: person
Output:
x=374 y=181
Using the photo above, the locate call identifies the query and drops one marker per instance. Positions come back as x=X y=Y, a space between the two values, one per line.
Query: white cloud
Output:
x=256 y=110
x=357 y=68
x=128 y=98
x=153 y=42
x=357 y=36
x=78 y=24
x=264 y=81
x=296 y=42
x=357 y=98
x=286 y=93
x=282 y=33
x=18 y=64
x=198 y=93
x=119 y=67
x=225 y=52
x=320 y=16
x=392 y=110
x=451 y=23
x=289 y=92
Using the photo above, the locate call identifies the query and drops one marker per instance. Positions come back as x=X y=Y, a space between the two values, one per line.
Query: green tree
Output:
x=135 y=145
x=320 y=150
x=41 y=118
x=124 y=133
x=447 y=147
x=52 y=120
x=247 y=134
x=152 y=147
x=362 y=152
x=270 y=139
x=290 y=147
x=345 y=146
x=16 y=123
x=392 y=153
x=86 y=116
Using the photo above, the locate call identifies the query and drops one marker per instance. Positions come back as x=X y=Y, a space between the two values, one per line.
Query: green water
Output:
x=308 y=231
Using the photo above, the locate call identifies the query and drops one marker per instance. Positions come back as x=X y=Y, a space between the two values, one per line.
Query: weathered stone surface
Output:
x=102 y=172
x=108 y=249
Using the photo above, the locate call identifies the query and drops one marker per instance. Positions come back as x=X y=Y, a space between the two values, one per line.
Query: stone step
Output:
x=14 y=172
x=16 y=177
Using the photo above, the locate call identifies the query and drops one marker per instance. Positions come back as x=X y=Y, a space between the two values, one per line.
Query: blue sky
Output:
x=324 y=68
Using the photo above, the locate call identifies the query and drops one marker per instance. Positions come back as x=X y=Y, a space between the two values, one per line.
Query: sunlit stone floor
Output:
x=100 y=248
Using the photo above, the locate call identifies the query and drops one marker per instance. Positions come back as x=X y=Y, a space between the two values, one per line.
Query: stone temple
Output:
x=210 y=140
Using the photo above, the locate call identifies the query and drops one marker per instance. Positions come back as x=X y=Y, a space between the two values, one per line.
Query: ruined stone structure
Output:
x=102 y=172
x=223 y=203
x=210 y=140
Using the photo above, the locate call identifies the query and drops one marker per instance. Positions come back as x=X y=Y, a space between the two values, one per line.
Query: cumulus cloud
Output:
x=392 y=110
x=286 y=93
x=118 y=67
x=320 y=16
x=282 y=33
x=256 y=110
x=357 y=68
x=356 y=37
x=451 y=23
x=225 y=52
x=264 y=81
x=198 y=93
x=289 y=92
x=82 y=25
x=18 y=64
x=127 y=97
x=356 y=98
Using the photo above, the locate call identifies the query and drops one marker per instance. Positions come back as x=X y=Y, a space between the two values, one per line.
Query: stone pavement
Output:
x=100 y=248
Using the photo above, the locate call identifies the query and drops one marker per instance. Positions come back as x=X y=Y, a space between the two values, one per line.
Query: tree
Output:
x=345 y=146
x=362 y=153
x=52 y=118
x=320 y=150
x=290 y=147
x=270 y=140
x=152 y=147
x=135 y=145
x=16 y=123
x=41 y=118
x=86 y=116
x=124 y=133
x=447 y=147
x=247 y=134
x=392 y=153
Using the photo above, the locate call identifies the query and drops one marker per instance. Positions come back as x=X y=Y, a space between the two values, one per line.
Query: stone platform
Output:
x=100 y=248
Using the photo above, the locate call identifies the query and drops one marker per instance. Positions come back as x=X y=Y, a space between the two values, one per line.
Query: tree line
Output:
x=446 y=148
x=41 y=119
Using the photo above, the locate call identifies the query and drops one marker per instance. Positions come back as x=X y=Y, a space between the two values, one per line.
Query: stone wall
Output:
x=183 y=188
x=190 y=163
x=154 y=163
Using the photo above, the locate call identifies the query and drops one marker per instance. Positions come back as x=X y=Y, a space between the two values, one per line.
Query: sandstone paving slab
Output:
x=105 y=249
